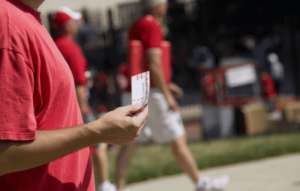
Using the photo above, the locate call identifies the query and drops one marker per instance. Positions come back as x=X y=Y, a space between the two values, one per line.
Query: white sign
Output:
x=240 y=76
x=140 y=86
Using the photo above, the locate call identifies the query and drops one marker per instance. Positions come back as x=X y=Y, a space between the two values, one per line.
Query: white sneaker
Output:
x=219 y=183
x=207 y=183
x=107 y=186
x=204 y=184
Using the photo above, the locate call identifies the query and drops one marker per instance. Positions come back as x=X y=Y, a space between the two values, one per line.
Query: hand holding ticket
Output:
x=140 y=86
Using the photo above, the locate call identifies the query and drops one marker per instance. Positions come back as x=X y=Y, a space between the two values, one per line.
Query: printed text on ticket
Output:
x=140 y=86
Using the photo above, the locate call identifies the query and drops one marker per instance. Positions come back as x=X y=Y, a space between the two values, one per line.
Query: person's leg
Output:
x=167 y=127
x=187 y=163
x=101 y=165
x=123 y=163
x=184 y=158
x=125 y=153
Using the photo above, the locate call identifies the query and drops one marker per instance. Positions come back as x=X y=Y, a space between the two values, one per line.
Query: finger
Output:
x=181 y=95
x=132 y=108
x=141 y=117
x=173 y=107
x=140 y=129
x=180 y=92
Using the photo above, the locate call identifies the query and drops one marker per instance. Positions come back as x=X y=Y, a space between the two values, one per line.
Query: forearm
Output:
x=48 y=146
x=158 y=78
x=81 y=98
x=116 y=127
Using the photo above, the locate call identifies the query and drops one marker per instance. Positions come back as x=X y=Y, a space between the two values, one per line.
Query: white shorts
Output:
x=162 y=125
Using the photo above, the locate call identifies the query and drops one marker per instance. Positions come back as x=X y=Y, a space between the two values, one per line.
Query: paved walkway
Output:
x=275 y=174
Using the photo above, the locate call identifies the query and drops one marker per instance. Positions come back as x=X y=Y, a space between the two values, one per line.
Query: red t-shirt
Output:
x=147 y=30
x=74 y=57
x=37 y=93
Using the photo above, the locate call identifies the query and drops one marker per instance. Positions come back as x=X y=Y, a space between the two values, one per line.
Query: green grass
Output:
x=157 y=161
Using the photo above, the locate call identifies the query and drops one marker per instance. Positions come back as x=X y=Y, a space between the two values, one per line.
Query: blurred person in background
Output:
x=65 y=22
x=122 y=73
x=99 y=89
x=266 y=56
x=271 y=69
x=43 y=141
x=164 y=124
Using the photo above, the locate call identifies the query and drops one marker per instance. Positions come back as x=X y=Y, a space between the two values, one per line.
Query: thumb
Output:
x=141 y=117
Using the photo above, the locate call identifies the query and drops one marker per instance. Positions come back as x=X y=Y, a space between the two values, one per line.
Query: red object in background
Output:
x=122 y=77
x=166 y=60
x=135 y=58
x=123 y=69
x=100 y=83
x=73 y=54
x=209 y=85
x=214 y=90
x=268 y=86
x=102 y=77
x=138 y=64
x=64 y=15
x=101 y=108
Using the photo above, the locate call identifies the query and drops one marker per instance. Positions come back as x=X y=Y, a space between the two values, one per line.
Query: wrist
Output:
x=92 y=132
x=169 y=97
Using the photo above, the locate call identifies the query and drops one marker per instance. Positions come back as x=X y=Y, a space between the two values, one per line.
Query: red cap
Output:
x=64 y=15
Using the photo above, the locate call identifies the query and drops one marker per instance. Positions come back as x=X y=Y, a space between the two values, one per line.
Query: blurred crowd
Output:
x=193 y=47
x=237 y=61
x=204 y=35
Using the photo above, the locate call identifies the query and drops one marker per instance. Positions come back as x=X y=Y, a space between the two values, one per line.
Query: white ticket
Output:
x=140 y=88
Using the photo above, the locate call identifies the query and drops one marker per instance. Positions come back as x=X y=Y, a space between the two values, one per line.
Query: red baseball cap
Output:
x=64 y=15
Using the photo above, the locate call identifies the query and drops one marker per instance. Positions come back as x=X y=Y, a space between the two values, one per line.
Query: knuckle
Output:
x=137 y=124
x=119 y=109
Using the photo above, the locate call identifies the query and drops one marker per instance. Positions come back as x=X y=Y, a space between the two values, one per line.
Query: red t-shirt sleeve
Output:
x=152 y=36
x=17 y=117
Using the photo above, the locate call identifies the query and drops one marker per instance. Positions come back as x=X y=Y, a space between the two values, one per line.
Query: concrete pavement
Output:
x=274 y=174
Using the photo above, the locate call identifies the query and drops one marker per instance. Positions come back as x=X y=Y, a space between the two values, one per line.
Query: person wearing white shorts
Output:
x=164 y=124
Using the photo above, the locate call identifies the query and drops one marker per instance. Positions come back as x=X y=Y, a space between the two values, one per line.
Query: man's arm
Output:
x=158 y=78
x=85 y=109
x=81 y=98
x=115 y=127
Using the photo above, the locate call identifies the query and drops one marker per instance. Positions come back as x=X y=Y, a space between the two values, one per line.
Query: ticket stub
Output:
x=140 y=87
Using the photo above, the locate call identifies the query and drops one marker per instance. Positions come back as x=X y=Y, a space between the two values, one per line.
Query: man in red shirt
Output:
x=65 y=22
x=43 y=141
x=164 y=124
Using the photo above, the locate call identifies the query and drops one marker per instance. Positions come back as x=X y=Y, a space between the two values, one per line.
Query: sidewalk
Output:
x=275 y=174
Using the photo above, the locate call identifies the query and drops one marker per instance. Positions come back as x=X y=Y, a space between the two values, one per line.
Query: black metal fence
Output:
x=216 y=24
